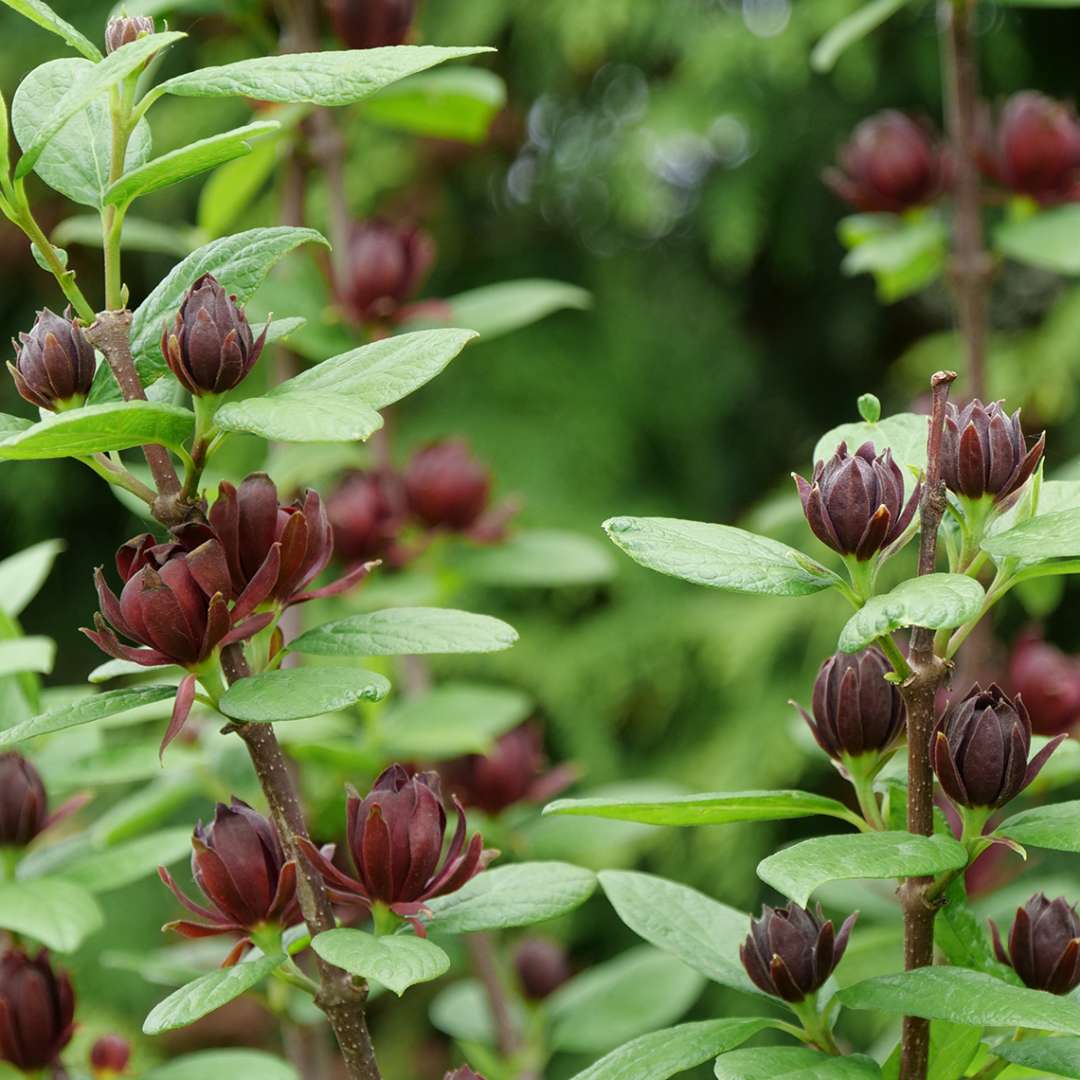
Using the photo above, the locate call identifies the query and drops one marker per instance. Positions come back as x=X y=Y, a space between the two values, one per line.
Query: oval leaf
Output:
x=1055 y=826
x=59 y=914
x=1058 y=1056
x=1049 y=239
x=300 y=692
x=22 y=574
x=396 y=962
x=27 y=654
x=301 y=416
x=793 y=1063
x=536 y=559
x=1045 y=536
x=224 y=1065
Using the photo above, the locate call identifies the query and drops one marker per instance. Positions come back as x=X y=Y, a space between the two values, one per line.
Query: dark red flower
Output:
x=395 y=835
x=239 y=865
x=54 y=364
x=1044 y=945
x=890 y=164
x=37 y=1010
x=446 y=487
x=109 y=1056
x=1049 y=682
x=125 y=30
x=386 y=265
x=366 y=515
x=542 y=966
x=368 y=24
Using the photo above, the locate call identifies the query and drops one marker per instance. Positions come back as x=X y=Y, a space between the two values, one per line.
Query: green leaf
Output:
x=936 y=601
x=662 y=1054
x=952 y=1049
x=457 y=103
x=719 y=556
x=144 y=808
x=140 y=234
x=962 y=936
x=320 y=78
x=1049 y=239
x=113 y=868
x=903 y=256
x=76 y=160
x=1045 y=536
x=57 y=913
x=12 y=425
x=232 y=188
x=637 y=992
x=798 y=870
x=89 y=85
x=518 y=895
x=682 y=921
x=536 y=559
x=854 y=28
x=963 y=997
x=27 y=654
x=452 y=719
x=39 y=12
x=721 y=808
x=201 y=997
x=185 y=162
x=300 y=692
x=293 y=415
x=793 y=1063
x=1061 y=1057
x=1055 y=826
x=224 y=1065
x=902 y=433
x=404 y=632
x=23 y=574
x=86 y=711
x=461 y=1010
x=397 y=961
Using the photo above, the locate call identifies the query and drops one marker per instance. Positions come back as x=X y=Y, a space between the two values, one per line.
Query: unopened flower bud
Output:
x=984 y=452
x=366 y=516
x=446 y=487
x=542 y=966
x=37 y=1011
x=385 y=266
x=1044 y=945
x=125 y=30
x=109 y=1056
x=54 y=363
x=367 y=24
x=855 y=502
x=210 y=347
x=790 y=952
x=1049 y=682
x=23 y=802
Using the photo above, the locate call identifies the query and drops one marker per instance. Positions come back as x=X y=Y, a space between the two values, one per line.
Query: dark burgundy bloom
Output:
x=1044 y=945
x=386 y=265
x=24 y=807
x=210 y=347
x=1049 y=682
x=446 y=487
x=125 y=30
x=984 y=452
x=54 y=364
x=855 y=503
x=856 y=711
x=890 y=164
x=463 y=1073
x=1036 y=148
x=37 y=1010
x=395 y=835
x=365 y=513
x=367 y=24
x=239 y=865
x=981 y=746
x=542 y=966
x=513 y=772
x=109 y=1056
x=790 y=952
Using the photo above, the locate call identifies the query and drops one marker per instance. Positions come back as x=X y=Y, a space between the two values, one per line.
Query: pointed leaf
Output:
x=27 y=654
x=1045 y=536
x=296 y=415
x=299 y=692
x=1055 y=826
x=397 y=962
x=39 y=12
x=23 y=574
x=841 y=36
x=1061 y=1057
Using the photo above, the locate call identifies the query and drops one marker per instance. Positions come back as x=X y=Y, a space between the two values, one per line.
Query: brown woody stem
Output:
x=485 y=965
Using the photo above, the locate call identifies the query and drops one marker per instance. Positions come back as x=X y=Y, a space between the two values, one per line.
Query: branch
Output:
x=486 y=968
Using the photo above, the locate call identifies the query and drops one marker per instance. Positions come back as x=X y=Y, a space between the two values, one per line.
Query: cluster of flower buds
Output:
x=386 y=265
x=125 y=30
x=238 y=863
x=980 y=749
x=367 y=24
x=1049 y=682
x=790 y=952
x=37 y=1011
x=1044 y=945
x=541 y=966
x=109 y=1057
x=854 y=503
x=54 y=363
x=395 y=836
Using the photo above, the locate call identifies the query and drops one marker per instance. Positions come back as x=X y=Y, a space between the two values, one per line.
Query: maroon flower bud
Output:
x=109 y=1056
x=210 y=347
x=54 y=364
x=366 y=516
x=856 y=711
x=542 y=966
x=386 y=264
x=983 y=451
x=239 y=865
x=125 y=30
x=890 y=164
x=367 y=24
x=463 y=1073
x=855 y=503
x=395 y=835
x=1049 y=682
x=1044 y=945
x=513 y=772
x=37 y=1010
x=790 y=952
x=1036 y=151
x=446 y=486
x=24 y=806
x=981 y=746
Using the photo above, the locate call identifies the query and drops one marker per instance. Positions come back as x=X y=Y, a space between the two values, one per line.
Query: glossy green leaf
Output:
x=719 y=556
x=1058 y=1056
x=405 y=632
x=936 y=601
x=902 y=433
x=395 y=961
x=1055 y=826
x=295 y=415
x=59 y=914
x=1049 y=239
x=793 y=1063
x=1045 y=536
x=518 y=895
x=23 y=574
x=798 y=870
x=208 y=993
x=699 y=930
x=662 y=1054
x=860 y=23
x=964 y=997
x=114 y=867
x=224 y=1065
x=536 y=559
x=295 y=693
x=720 y=808
x=187 y=161
x=85 y=711
x=39 y=12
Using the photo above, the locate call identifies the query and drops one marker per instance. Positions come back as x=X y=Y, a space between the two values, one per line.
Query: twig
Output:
x=486 y=968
